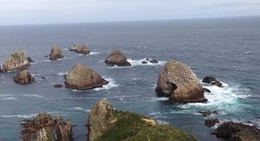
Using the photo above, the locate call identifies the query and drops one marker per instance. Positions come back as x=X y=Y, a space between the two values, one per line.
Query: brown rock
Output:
x=211 y=122
x=80 y=49
x=56 y=53
x=237 y=132
x=24 y=77
x=81 y=77
x=208 y=113
x=178 y=82
x=15 y=61
x=117 y=58
x=44 y=128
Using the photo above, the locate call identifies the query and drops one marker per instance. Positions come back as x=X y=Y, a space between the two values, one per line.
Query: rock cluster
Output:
x=178 y=82
x=81 y=77
x=44 y=128
x=212 y=81
x=56 y=53
x=107 y=123
x=150 y=60
x=15 y=61
x=117 y=58
x=80 y=49
x=24 y=77
x=237 y=132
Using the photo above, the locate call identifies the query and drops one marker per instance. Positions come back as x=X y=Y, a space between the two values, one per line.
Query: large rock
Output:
x=212 y=81
x=24 y=77
x=81 y=77
x=15 y=61
x=178 y=82
x=107 y=123
x=237 y=132
x=44 y=128
x=117 y=58
x=80 y=49
x=56 y=53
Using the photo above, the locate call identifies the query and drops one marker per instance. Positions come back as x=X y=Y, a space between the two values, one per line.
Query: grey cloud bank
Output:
x=67 y=11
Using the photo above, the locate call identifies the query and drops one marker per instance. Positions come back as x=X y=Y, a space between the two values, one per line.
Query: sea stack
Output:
x=107 y=123
x=15 y=61
x=117 y=58
x=179 y=83
x=81 y=77
x=80 y=49
x=56 y=53
x=24 y=77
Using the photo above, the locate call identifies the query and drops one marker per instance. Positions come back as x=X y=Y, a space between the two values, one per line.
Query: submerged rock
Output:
x=211 y=122
x=212 y=81
x=208 y=113
x=107 y=123
x=81 y=49
x=56 y=53
x=24 y=77
x=117 y=58
x=237 y=132
x=57 y=85
x=44 y=128
x=15 y=61
x=81 y=77
x=178 y=82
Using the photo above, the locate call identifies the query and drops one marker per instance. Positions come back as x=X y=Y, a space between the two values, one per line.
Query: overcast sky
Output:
x=76 y=11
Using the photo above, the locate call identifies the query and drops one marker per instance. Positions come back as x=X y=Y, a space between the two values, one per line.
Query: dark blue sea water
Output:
x=227 y=48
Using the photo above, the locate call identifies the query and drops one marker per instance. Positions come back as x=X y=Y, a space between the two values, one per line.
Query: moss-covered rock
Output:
x=117 y=58
x=80 y=49
x=105 y=123
x=24 y=77
x=56 y=53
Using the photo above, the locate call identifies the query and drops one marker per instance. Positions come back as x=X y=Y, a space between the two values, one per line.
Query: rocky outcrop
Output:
x=15 y=61
x=56 y=53
x=80 y=49
x=117 y=58
x=24 y=77
x=81 y=77
x=237 y=132
x=105 y=122
x=178 y=82
x=208 y=113
x=211 y=122
x=212 y=81
x=44 y=128
x=150 y=60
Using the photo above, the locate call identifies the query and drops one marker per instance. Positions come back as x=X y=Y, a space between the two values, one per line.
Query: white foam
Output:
x=33 y=95
x=62 y=73
x=110 y=85
x=138 y=62
x=94 y=53
x=19 y=116
x=9 y=99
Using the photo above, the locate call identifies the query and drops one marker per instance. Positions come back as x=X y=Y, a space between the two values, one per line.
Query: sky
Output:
x=15 y=12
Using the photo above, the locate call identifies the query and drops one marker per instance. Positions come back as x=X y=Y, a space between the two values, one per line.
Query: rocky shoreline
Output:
x=177 y=82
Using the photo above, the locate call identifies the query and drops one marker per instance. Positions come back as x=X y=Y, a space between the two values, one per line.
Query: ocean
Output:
x=227 y=48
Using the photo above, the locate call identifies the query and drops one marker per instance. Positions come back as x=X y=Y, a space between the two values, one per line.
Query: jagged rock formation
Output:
x=212 y=81
x=81 y=77
x=56 y=53
x=211 y=122
x=237 y=132
x=24 y=77
x=117 y=58
x=81 y=49
x=178 y=82
x=15 y=61
x=44 y=128
x=107 y=123
x=150 y=60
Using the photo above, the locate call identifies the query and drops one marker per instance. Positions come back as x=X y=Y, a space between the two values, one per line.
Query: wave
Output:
x=79 y=109
x=94 y=53
x=9 y=99
x=62 y=73
x=139 y=62
x=19 y=116
x=110 y=85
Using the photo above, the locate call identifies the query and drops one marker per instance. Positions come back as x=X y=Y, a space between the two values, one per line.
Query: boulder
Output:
x=57 y=85
x=212 y=81
x=117 y=58
x=44 y=128
x=237 y=132
x=211 y=122
x=152 y=60
x=56 y=53
x=178 y=82
x=107 y=123
x=81 y=77
x=80 y=49
x=24 y=77
x=15 y=61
